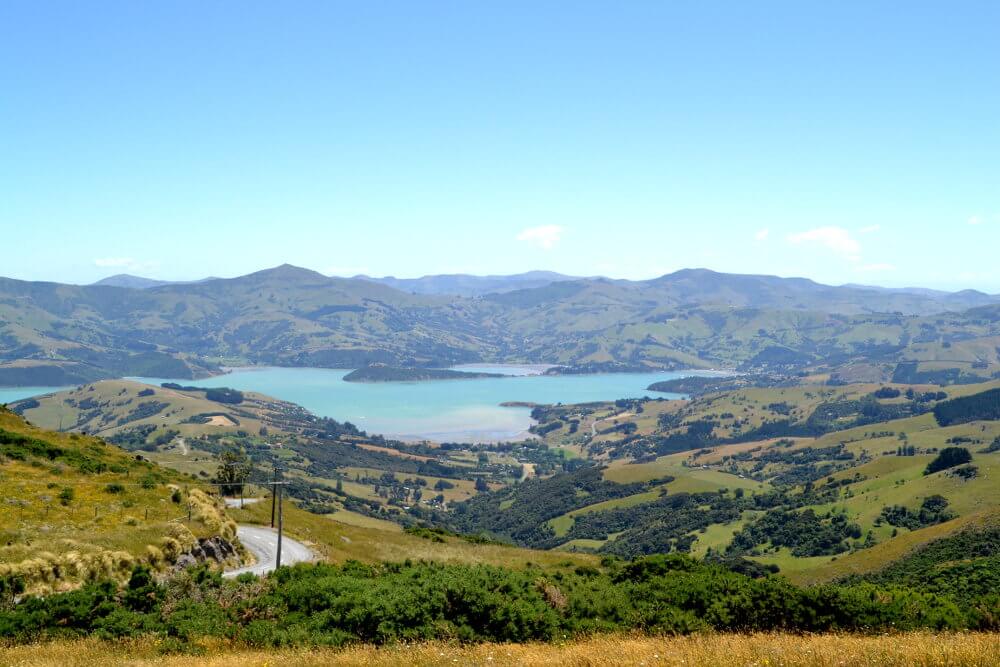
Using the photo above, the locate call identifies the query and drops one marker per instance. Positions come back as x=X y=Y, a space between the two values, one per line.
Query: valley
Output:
x=715 y=475
x=622 y=442
x=824 y=486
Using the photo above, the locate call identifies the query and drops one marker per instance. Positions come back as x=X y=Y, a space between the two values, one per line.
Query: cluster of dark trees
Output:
x=949 y=457
x=908 y=372
x=933 y=510
x=982 y=406
x=217 y=394
x=519 y=513
x=964 y=567
x=805 y=532
x=137 y=438
x=143 y=410
x=669 y=524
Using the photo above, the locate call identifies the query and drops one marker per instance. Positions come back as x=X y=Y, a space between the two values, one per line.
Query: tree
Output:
x=949 y=457
x=234 y=469
x=481 y=485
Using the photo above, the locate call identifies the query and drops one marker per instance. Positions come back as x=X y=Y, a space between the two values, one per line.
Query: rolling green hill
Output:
x=65 y=334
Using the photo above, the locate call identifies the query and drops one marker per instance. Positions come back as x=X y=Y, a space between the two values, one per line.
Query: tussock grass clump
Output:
x=80 y=510
x=48 y=572
x=210 y=511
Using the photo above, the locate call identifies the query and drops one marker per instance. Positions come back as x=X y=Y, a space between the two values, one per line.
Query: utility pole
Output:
x=274 y=491
x=278 y=558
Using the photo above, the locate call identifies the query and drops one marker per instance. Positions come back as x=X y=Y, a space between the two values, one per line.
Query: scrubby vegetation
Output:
x=670 y=523
x=964 y=566
x=334 y=605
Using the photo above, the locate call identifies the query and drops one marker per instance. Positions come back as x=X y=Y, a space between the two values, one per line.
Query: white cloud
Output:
x=124 y=263
x=835 y=239
x=976 y=220
x=870 y=229
x=762 y=234
x=545 y=236
x=876 y=267
x=346 y=271
x=114 y=262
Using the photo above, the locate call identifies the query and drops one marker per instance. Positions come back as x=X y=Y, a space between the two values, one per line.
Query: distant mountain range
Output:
x=460 y=284
x=454 y=284
x=56 y=334
x=138 y=282
x=687 y=285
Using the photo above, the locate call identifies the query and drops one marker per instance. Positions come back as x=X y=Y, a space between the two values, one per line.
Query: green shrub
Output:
x=323 y=604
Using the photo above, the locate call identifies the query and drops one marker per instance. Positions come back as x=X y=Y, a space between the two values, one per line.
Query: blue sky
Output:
x=846 y=142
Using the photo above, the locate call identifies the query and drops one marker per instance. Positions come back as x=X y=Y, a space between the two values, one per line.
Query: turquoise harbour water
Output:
x=11 y=394
x=442 y=410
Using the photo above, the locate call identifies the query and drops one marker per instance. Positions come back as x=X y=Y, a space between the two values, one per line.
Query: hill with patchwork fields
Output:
x=812 y=481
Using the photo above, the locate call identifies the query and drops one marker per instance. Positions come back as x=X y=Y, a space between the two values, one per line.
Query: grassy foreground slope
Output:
x=77 y=509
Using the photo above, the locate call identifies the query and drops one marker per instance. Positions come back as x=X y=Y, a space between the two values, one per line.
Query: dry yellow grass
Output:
x=920 y=649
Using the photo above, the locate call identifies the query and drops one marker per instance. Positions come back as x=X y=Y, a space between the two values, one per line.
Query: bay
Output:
x=442 y=410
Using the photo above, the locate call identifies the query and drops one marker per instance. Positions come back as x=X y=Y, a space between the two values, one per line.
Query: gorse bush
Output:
x=323 y=604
